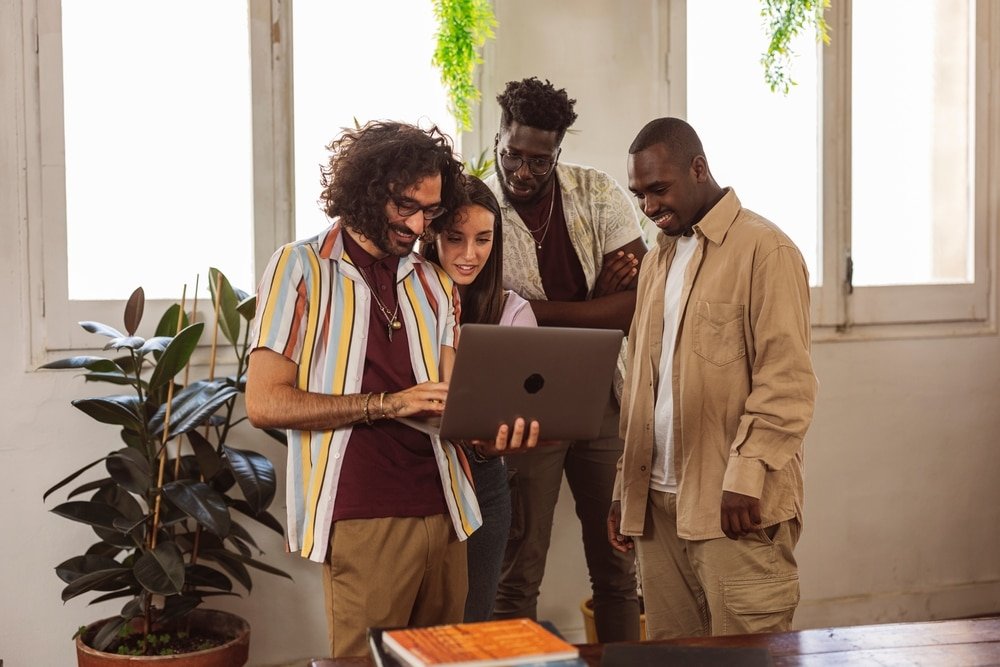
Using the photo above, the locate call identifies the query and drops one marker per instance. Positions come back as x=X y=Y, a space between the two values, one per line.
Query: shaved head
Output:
x=677 y=136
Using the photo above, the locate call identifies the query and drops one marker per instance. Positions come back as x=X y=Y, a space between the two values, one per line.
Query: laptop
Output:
x=560 y=376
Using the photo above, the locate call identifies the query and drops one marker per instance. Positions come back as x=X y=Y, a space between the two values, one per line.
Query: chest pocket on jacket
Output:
x=718 y=332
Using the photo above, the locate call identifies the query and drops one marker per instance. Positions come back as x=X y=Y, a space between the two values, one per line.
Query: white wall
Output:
x=902 y=505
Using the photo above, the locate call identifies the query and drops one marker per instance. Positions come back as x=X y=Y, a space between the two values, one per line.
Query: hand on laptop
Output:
x=509 y=439
x=422 y=400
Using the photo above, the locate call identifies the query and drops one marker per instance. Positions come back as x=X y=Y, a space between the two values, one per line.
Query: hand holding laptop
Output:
x=509 y=439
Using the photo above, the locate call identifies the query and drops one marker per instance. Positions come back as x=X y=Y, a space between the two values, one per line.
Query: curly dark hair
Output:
x=535 y=104
x=482 y=301
x=385 y=158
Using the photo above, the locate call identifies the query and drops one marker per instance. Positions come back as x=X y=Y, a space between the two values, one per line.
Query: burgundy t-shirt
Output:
x=558 y=264
x=388 y=468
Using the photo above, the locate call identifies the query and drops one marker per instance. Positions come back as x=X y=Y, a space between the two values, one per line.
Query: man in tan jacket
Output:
x=718 y=396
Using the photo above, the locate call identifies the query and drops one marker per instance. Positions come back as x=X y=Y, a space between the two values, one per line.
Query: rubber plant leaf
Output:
x=192 y=406
x=133 y=310
x=108 y=633
x=78 y=566
x=175 y=356
x=118 y=410
x=255 y=475
x=167 y=326
x=125 y=343
x=177 y=606
x=132 y=590
x=102 y=329
x=238 y=533
x=130 y=469
x=248 y=307
x=161 y=571
x=202 y=575
x=101 y=580
x=265 y=518
x=91 y=363
x=209 y=461
x=200 y=502
x=90 y=513
x=69 y=478
x=155 y=344
x=229 y=315
x=264 y=567
x=231 y=564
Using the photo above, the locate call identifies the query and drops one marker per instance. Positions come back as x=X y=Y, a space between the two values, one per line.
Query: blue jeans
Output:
x=486 y=545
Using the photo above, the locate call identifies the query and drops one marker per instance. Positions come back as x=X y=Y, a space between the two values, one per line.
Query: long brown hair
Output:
x=482 y=301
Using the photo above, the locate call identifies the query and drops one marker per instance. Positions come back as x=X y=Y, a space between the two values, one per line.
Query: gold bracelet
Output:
x=381 y=404
x=368 y=418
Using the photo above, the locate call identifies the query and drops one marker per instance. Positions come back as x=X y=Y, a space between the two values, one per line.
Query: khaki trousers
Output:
x=718 y=586
x=391 y=572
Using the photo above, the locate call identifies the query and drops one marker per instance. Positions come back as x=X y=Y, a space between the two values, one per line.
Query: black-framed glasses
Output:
x=538 y=166
x=407 y=207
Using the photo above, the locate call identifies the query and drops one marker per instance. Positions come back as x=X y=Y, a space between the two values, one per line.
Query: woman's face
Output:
x=464 y=247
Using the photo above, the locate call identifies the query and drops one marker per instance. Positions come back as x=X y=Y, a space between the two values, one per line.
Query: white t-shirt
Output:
x=663 y=477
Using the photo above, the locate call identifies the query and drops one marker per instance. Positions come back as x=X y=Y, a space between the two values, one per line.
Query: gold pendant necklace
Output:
x=391 y=318
x=544 y=227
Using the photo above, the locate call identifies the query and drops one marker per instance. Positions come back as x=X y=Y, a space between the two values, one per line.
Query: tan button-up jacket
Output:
x=743 y=382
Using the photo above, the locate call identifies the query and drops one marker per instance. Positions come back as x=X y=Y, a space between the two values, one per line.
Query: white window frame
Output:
x=838 y=310
x=53 y=316
x=906 y=304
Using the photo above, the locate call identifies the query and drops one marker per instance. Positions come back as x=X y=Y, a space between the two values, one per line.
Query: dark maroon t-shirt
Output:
x=558 y=264
x=388 y=469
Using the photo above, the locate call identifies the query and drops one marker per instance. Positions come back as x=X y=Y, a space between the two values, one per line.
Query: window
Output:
x=335 y=84
x=158 y=152
x=167 y=133
x=880 y=163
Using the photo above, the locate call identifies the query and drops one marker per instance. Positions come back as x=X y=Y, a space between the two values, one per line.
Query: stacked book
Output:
x=517 y=641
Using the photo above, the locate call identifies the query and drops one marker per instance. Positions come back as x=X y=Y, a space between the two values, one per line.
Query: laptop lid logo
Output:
x=534 y=383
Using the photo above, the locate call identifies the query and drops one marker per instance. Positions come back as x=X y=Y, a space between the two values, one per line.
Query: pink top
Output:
x=517 y=312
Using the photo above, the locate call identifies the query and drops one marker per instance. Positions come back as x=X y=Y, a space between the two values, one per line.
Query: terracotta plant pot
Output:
x=233 y=653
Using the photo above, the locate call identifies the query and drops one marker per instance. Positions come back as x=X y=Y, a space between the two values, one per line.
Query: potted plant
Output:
x=163 y=507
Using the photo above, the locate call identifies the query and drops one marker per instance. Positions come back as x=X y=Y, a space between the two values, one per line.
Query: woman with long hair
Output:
x=470 y=249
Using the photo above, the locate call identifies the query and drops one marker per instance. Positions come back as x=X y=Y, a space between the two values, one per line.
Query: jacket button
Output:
x=642 y=468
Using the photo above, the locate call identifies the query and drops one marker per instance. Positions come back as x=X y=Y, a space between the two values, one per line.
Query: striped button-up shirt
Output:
x=313 y=307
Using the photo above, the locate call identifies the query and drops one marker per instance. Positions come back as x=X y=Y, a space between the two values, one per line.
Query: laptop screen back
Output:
x=558 y=375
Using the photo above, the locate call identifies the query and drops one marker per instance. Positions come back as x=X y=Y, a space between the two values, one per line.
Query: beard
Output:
x=389 y=243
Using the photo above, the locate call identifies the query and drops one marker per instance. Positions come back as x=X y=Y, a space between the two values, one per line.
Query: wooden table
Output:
x=939 y=643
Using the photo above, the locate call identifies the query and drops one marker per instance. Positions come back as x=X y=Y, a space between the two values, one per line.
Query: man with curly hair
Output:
x=572 y=244
x=354 y=329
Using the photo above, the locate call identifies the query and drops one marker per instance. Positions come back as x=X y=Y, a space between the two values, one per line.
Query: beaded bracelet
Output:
x=368 y=418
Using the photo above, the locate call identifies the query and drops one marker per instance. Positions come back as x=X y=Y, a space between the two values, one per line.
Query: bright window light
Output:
x=358 y=61
x=763 y=144
x=911 y=171
x=158 y=145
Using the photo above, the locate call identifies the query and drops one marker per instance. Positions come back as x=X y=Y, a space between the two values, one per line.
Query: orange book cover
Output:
x=507 y=642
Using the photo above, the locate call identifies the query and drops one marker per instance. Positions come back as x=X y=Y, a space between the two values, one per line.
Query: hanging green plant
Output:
x=463 y=28
x=785 y=19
